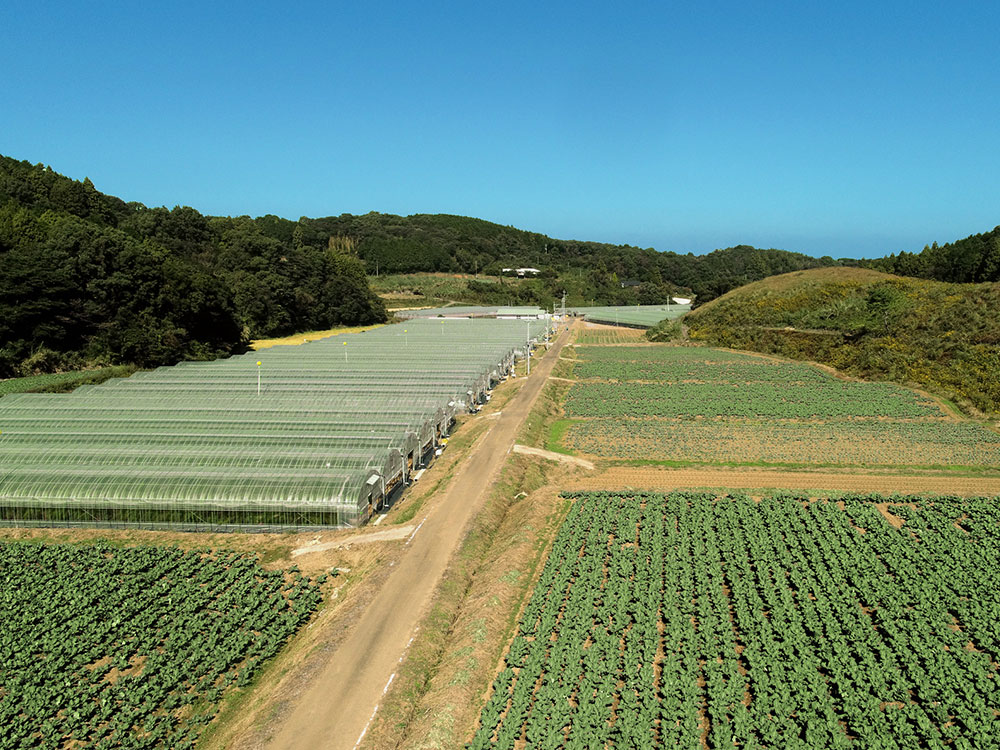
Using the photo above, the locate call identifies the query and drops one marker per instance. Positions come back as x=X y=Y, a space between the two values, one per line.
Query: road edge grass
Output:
x=555 y=439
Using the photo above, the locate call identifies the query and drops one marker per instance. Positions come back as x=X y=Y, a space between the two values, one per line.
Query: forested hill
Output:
x=86 y=279
x=458 y=244
x=972 y=260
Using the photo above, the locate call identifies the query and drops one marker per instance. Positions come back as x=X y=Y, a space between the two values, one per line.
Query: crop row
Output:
x=104 y=647
x=609 y=335
x=672 y=354
x=822 y=400
x=687 y=620
x=865 y=443
x=733 y=373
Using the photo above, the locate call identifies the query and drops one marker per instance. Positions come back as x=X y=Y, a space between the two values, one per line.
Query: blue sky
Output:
x=849 y=129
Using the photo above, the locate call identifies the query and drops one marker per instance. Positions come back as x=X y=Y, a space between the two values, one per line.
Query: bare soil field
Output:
x=657 y=478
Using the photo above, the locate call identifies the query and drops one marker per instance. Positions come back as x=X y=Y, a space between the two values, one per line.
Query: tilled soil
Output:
x=657 y=478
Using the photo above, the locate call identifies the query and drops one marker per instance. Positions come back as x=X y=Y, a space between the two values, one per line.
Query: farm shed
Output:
x=319 y=434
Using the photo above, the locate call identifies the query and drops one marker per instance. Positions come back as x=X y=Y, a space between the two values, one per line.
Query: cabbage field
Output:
x=697 y=405
x=641 y=381
x=104 y=647
x=692 y=619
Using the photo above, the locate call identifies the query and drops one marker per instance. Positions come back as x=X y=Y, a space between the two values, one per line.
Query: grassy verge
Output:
x=563 y=369
x=554 y=439
x=547 y=410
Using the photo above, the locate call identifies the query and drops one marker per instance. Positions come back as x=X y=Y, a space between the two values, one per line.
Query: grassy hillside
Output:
x=943 y=337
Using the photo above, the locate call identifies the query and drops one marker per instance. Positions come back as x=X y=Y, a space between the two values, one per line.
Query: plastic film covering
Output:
x=636 y=316
x=288 y=437
x=473 y=312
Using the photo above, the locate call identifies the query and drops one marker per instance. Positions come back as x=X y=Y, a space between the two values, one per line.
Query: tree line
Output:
x=975 y=259
x=457 y=244
x=88 y=279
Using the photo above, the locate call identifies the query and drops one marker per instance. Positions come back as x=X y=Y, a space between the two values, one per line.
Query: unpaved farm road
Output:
x=336 y=709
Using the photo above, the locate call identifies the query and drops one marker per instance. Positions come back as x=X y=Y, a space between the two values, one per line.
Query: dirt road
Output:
x=337 y=708
x=658 y=478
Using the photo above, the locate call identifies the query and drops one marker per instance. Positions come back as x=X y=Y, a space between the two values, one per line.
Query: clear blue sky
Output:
x=845 y=129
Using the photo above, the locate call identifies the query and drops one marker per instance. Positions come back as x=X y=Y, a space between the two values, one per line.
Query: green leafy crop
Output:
x=689 y=620
x=103 y=647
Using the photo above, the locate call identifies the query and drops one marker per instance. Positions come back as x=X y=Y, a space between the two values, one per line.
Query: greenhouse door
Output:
x=372 y=484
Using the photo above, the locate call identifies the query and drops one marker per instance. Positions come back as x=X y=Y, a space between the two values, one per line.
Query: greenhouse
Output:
x=315 y=435
x=476 y=311
x=636 y=316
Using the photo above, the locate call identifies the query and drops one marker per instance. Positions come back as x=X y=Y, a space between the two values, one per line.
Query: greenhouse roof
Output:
x=474 y=311
x=644 y=316
x=333 y=424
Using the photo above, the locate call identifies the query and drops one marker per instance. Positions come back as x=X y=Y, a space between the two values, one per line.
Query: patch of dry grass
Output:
x=304 y=338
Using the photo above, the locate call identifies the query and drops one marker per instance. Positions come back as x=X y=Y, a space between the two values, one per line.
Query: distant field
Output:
x=691 y=404
x=603 y=335
x=689 y=620
x=416 y=288
x=640 y=316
